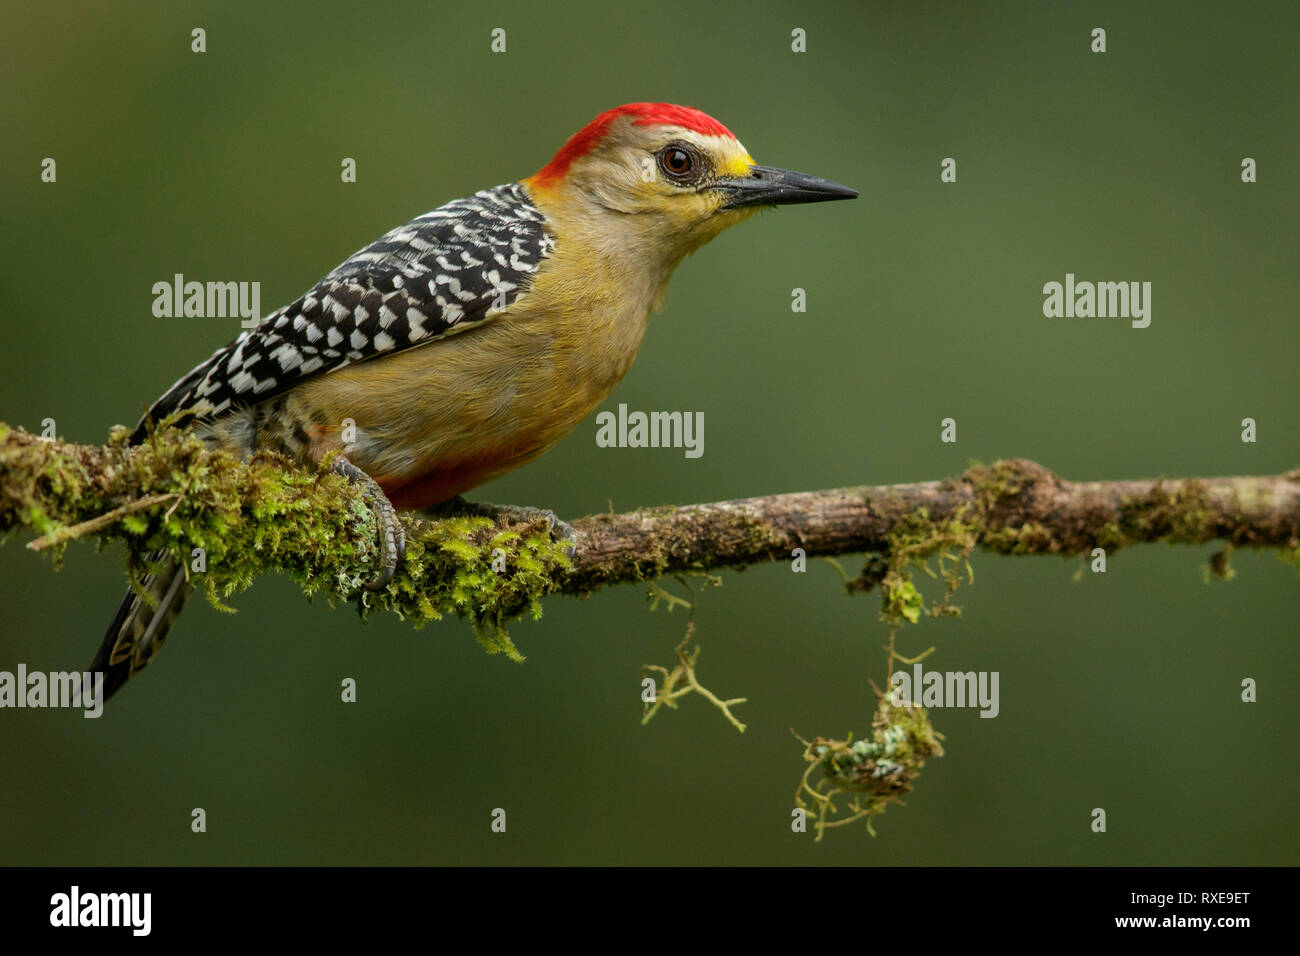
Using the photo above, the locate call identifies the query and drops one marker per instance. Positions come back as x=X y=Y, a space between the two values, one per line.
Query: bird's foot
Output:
x=560 y=530
x=392 y=538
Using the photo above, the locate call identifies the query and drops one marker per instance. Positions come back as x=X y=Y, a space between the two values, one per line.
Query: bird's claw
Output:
x=560 y=529
x=392 y=536
x=392 y=546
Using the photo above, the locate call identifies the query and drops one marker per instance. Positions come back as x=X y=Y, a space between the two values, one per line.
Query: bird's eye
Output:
x=677 y=161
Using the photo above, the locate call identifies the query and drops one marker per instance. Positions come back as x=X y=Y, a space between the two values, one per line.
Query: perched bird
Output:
x=472 y=339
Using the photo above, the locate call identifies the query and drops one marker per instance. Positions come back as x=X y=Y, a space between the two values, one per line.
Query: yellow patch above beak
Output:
x=737 y=165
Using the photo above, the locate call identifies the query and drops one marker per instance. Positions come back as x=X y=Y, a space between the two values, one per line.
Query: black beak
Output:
x=768 y=186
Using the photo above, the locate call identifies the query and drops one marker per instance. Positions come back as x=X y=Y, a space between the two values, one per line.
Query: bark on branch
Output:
x=264 y=515
x=1014 y=507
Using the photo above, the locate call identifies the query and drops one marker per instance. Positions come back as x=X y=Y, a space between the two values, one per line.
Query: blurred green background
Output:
x=1118 y=691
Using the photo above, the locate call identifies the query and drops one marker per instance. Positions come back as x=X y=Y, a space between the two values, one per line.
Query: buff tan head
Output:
x=672 y=173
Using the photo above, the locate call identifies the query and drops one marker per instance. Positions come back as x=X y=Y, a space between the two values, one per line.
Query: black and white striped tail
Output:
x=139 y=627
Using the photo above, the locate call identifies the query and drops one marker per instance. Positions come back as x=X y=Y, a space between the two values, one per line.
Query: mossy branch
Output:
x=251 y=517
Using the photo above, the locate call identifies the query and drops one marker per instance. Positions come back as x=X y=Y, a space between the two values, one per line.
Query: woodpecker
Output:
x=470 y=340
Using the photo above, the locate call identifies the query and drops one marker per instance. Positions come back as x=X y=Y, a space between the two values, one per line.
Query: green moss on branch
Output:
x=171 y=493
x=245 y=519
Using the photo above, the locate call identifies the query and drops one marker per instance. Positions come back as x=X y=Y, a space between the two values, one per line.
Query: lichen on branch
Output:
x=874 y=770
x=173 y=493
x=230 y=521
x=238 y=520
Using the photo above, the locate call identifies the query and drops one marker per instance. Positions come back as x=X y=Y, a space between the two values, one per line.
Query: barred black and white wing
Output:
x=441 y=273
